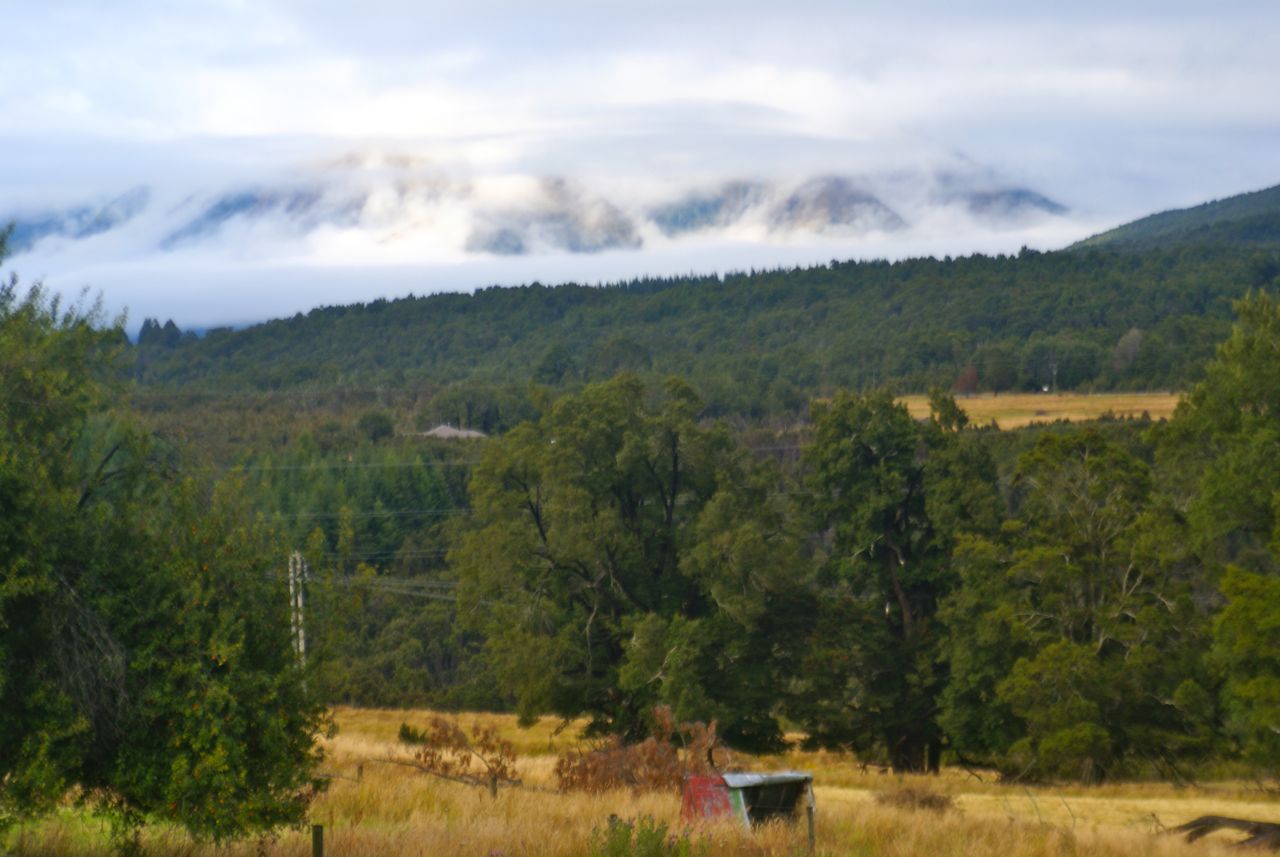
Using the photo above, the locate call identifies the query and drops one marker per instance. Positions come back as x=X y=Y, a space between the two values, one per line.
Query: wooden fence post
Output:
x=317 y=840
x=809 y=812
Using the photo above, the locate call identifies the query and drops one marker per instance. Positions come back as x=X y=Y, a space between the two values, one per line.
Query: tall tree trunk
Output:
x=908 y=755
x=934 y=765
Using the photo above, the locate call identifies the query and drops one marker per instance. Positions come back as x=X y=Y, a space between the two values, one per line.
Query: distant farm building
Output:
x=448 y=432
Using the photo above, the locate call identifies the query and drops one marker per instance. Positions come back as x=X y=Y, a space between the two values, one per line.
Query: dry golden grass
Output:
x=395 y=811
x=1015 y=410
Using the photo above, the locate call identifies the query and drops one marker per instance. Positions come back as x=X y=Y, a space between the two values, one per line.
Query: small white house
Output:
x=448 y=432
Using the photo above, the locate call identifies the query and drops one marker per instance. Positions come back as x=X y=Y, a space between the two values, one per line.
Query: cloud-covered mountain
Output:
x=716 y=208
x=82 y=221
x=304 y=208
x=833 y=202
x=562 y=217
x=399 y=208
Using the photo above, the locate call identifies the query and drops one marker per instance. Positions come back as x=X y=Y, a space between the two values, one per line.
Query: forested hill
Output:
x=1249 y=220
x=761 y=342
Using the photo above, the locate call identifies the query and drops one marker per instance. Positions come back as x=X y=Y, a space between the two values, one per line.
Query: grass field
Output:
x=393 y=810
x=1016 y=410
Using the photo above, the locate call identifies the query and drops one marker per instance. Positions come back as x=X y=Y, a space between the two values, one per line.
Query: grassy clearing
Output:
x=1021 y=409
x=394 y=811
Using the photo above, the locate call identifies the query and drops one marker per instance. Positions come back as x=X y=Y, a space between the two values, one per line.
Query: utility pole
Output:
x=297 y=605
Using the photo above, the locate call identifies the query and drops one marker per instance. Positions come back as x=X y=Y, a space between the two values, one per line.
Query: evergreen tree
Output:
x=145 y=653
x=889 y=495
x=619 y=556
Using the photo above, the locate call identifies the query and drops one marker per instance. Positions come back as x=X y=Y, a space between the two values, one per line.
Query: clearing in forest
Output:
x=1015 y=410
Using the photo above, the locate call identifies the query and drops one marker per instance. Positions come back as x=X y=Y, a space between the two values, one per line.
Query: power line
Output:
x=350 y=465
x=459 y=462
x=377 y=580
x=387 y=554
x=409 y=513
x=375 y=513
x=403 y=582
x=438 y=591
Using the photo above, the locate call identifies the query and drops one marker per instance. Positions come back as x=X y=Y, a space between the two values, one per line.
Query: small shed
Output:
x=448 y=432
x=752 y=798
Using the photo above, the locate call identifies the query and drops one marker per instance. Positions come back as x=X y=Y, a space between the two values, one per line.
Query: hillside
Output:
x=1246 y=220
x=755 y=343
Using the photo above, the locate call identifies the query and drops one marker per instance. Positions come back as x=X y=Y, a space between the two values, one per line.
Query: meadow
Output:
x=373 y=808
x=1015 y=410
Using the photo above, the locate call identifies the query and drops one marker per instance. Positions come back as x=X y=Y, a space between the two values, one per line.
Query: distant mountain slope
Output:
x=761 y=343
x=1248 y=220
x=77 y=223
x=831 y=202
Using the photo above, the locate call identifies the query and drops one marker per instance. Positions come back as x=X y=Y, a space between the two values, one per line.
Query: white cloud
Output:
x=1114 y=108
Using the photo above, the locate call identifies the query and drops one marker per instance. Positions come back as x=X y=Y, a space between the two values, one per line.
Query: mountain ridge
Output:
x=1250 y=219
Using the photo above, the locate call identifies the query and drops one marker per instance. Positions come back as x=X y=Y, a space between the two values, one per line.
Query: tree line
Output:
x=754 y=344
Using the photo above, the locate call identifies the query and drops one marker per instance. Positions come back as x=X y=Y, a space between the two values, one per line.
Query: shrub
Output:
x=643 y=837
x=444 y=750
x=660 y=762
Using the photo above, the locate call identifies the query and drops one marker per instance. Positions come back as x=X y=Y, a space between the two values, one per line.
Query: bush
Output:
x=643 y=837
x=658 y=763
x=444 y=750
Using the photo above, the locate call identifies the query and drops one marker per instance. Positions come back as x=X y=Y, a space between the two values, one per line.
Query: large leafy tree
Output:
x=145 y=655
x=621 y=555
x=1225 y=441
x=888 y=495
x=1075 y=634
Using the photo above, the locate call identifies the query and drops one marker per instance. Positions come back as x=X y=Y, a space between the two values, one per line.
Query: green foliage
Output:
x=223 y=739
x=1247 y=634
x=891 y=495
x=480 y=405
x=1248 y=220
x=376 y=426
x=644 y=837
x=621 y=555
x=371 y=522
x=1225 y=439
x=145 y=655
x=49 y=388
x=1057 y=602
x=1073 y=629
x=755 y=345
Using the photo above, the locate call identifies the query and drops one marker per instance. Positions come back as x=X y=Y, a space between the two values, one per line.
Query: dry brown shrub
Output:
x=911 y=797
x=444 y=750
x=658 y=763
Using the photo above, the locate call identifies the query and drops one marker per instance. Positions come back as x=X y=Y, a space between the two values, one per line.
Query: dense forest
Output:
x=696 y=493
x=754 y=344
x=1081 y=602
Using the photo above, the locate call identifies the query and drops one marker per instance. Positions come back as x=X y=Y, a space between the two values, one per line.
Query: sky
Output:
x=410 y=147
